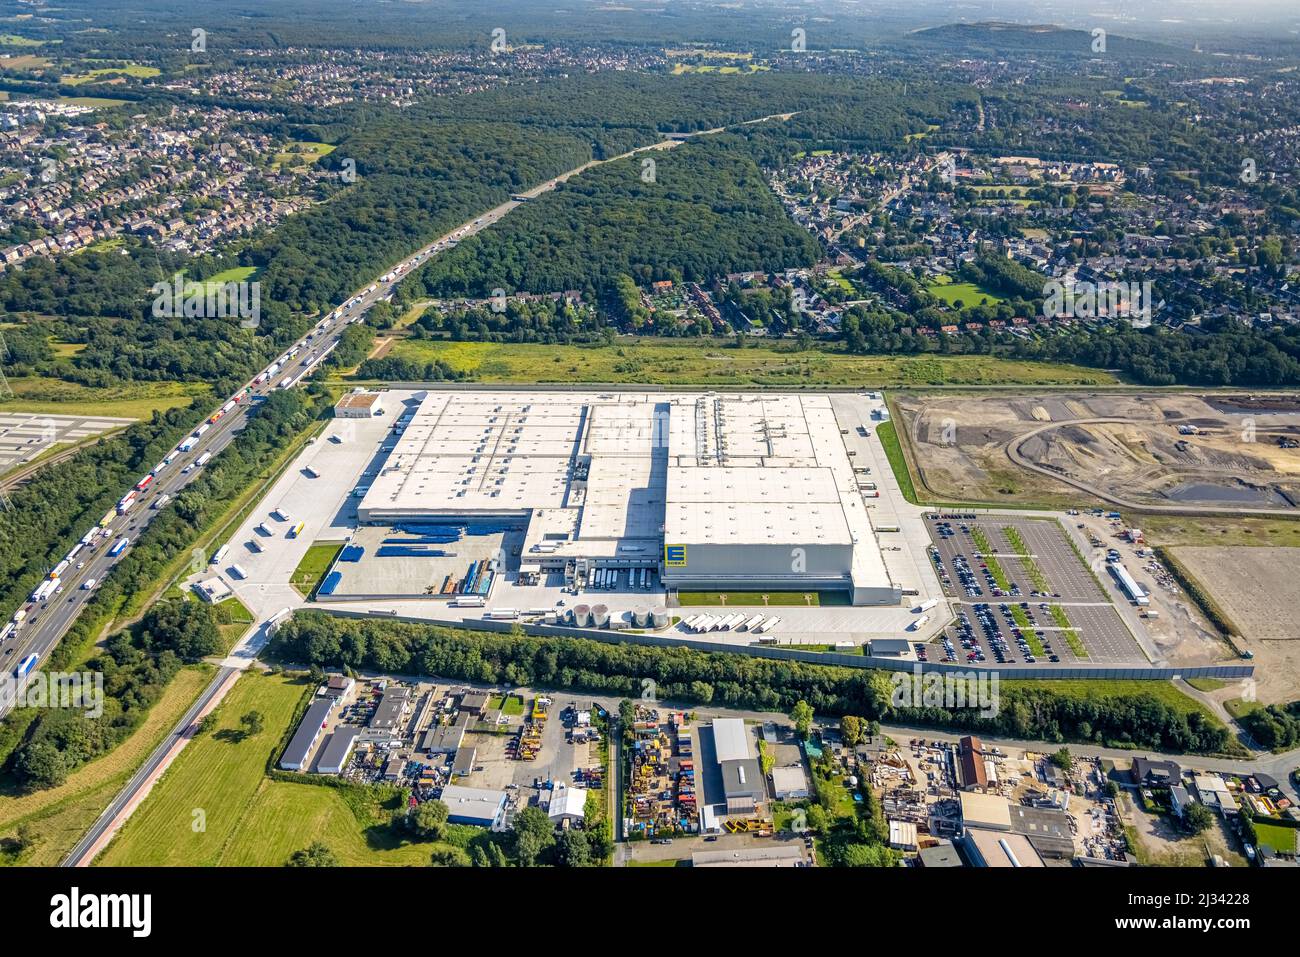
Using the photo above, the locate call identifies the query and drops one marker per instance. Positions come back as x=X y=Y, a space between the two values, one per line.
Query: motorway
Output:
x=48 y=621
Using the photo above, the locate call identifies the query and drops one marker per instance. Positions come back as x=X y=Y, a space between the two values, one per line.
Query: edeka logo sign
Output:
x=675 y=556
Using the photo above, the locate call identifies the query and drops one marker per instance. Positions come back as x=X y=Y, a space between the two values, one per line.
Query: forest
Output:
x=698 y=211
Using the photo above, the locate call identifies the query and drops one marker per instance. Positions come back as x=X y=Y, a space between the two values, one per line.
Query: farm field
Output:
x=60 y=816
x=717 y=363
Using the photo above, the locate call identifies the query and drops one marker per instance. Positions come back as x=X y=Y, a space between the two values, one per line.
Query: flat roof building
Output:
x=477 y=806
x=738 y=490
x=790 y=783
x=297 y=756
x=338 y=749
x=359 y=405
x=391 y=708
x=742 y=777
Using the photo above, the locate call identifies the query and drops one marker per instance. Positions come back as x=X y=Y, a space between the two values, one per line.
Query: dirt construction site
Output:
x=1156 y=450
x=1256 y=590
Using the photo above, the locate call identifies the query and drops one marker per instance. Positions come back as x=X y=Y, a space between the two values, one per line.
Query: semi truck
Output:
x=119 y=547
x=161 y=500
x=927 y=604
x=297 y=529
x=25 y=667
x=203 y=459
x=219 y=554
x=125 y=504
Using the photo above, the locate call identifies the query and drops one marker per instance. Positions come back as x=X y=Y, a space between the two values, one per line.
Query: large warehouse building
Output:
x=735 y=491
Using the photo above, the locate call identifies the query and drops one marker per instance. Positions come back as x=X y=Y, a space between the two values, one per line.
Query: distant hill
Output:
x=994 y=38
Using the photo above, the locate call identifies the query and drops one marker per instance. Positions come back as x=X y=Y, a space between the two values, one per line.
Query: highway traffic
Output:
x=42 y=621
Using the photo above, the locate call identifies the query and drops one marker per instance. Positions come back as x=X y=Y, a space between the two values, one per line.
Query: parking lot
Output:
x=23 y=436
x=1026 y=597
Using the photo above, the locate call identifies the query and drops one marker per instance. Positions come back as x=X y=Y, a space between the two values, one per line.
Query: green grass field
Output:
x=233 y=274
x=713 y=362
x=1277 y=836
x=307 y=576
x=1209 y=530
x=248 y=818
x=967 y=293
x=303 y=153
x=52 y=396
x=107 y=73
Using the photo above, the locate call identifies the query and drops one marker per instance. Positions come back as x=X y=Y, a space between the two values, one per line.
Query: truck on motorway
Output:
x=219 y=554
x=107 y=520
x=90 y=536
x=59 y=569
x=188 y=444
x=201 y=430
x=88 y=584
x=297 y=529
x=119 y=547
x=25 y=667
x=7 y=630
x=228 y=406
x=161 y=500
x=144 y=483
x=286 y=382
x=125 y=504
x=202 y=460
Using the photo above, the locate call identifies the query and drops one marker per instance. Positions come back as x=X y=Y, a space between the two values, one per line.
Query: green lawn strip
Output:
x=749 y=598
x=313 y=567
x=986 y=552
x=1036 y=576
x=1207 y=684
x=1070 y=633
x=1021 y=618
x=888 y=435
